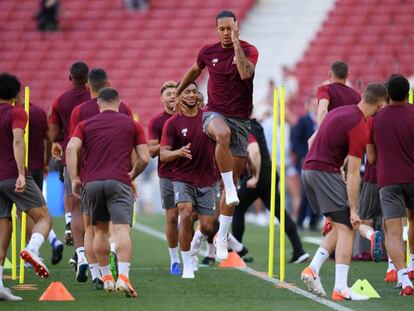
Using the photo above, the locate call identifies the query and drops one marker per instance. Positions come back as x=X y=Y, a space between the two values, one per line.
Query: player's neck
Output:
x=169 y=111
x=189 y=111
x=110 y=108
x=8 y=102
x=227 y=47
x=336 y=80
x=399 y=103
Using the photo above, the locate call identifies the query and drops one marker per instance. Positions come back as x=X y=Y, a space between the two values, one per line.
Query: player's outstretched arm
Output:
x=353 y=182
x=72 y=162
x=168 y=155
x=245 y=68
x=190 y=76
x=142 y=160
x=19 y=150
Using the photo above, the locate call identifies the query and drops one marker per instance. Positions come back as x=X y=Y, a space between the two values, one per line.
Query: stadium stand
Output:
x=138 y=49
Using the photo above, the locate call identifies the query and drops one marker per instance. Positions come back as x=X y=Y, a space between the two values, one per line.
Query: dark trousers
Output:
x=247 y=196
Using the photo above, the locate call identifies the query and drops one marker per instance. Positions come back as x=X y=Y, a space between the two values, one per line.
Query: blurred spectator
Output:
x=300 y=134
x=136 y=4
x=290 y=82
x=47 y=17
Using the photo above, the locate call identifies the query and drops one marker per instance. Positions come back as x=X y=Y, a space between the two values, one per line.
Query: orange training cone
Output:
x=233 y=261
x=56 y=292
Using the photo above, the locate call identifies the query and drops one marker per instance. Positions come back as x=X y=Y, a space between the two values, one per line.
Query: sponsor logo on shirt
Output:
x=214 y=61
x=184 y=131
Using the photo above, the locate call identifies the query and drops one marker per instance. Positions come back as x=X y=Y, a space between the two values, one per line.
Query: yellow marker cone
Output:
x=363 y=287
x=7 y=264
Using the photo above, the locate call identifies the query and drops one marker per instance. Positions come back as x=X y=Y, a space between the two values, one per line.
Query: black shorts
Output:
x=37 y=176
x=341 y=217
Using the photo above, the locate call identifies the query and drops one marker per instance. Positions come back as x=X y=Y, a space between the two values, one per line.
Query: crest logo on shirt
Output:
x=214 y=61
x=184 y=131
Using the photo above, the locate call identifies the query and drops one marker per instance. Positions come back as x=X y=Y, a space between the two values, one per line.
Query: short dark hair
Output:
x=398 y=88
x=108 y=95
x=374 y=92
x=225 y=13
x=97 y=79
x=340 y=69
x=79 y=72
x=9 y=86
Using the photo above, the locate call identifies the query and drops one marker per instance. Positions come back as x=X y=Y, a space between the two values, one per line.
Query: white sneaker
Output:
x=221 y=249
x=36 y=262
x=81 y=271
x=6 y=295
x=188 y=274
x=195 y=263
x=348 y=294
x=313 y=282
x=232 y=198
x=196 y=246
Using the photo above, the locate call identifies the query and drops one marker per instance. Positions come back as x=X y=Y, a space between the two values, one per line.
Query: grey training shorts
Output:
x=85 y=207
x=240 y=129
x=395 y=199
x=109 y=200
x=369 y=201
x=67 y=182
x=167 y=193
x=202 y=198
x=30 y=198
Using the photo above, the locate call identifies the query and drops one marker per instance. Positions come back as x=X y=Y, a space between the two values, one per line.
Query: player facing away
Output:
x=193 y=174
x=155 y=127
x=231 y=65
x=392 y=149
x=107 y=141
x=343 y=133
x=15 y=186
x=59 y=134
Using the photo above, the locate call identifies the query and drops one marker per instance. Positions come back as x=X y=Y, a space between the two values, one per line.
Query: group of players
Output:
x=103 y=150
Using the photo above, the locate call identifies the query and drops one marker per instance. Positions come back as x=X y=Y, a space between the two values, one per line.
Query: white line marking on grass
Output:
x=312 y=240
x=161 y=236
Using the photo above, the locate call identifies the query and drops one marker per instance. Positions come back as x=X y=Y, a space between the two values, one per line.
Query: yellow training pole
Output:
x=26 y=144
x=407 y=256
x=14 y=243
x=411 y=97
x=282 y=184
x=273 y=184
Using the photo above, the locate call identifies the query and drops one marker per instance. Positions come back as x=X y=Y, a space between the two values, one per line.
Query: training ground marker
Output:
x=334 y=306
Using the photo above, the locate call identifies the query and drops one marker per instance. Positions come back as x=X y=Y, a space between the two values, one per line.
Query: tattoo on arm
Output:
x=245 y=68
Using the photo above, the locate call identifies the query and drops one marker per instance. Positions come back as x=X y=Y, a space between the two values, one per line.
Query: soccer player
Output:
x=155 y=127
x=15 y=186
x=343 y=133
x=97 y=80
x=59 y=133
x=392 y=149
x=258 y=186
x=107 y=141
x=337 y=93
x=193 y=174
x=231 y=65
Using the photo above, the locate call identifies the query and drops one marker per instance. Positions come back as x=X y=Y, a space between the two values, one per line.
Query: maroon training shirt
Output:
x=38 y=128
x=108 y=139
x=228 y=94
x=89 y=109
x=155 y=127
x=180 y=130
x=62 y=109
x=10 y=118
x=393 y=133
x=338 y=95
x=343 y=132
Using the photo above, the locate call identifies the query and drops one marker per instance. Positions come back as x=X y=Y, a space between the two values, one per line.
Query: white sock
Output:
x=211 y=251
x=1 y=276
x=234 y=244
x=105 y=270
x=113 y=248
x=319 y=259
x=390 y=265
x=80 y=251
x=53 y=239
x=198 y=235
x=225 y=222
x=187 y=261
x=341 y=277
x=411 y=263
x=228 y=181
x=123 y=268
x=403 y=278
x=174 y=256
x=369 y=234
x=35 y=242
x=94 y=267
x=68 y=217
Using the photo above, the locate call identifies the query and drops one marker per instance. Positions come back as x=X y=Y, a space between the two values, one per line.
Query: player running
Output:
x=231 y=65
x=193 y=172
x=344 y=133
x=107 y=141
x=155 y=127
